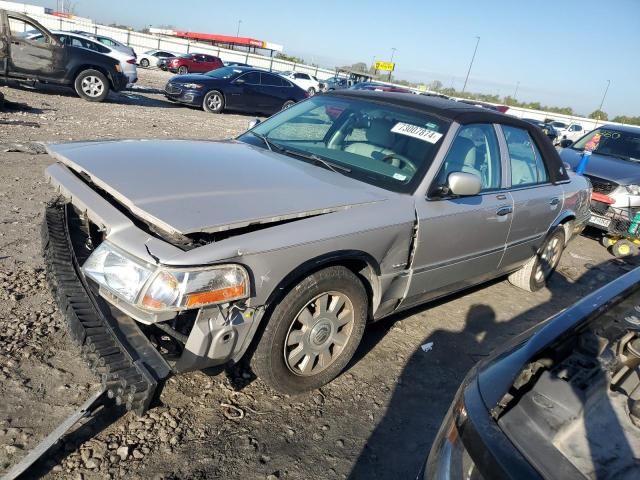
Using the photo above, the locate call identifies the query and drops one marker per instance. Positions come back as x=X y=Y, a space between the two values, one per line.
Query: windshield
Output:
x=381 y=144
x=559 y=125
x=224 y=72
x=185 y=55
x=615 y=143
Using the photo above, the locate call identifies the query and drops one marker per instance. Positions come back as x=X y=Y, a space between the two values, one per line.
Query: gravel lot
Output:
x=375 y=421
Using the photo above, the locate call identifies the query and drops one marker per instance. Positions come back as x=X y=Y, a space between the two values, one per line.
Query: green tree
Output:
x=627 y=119
x=599 y=115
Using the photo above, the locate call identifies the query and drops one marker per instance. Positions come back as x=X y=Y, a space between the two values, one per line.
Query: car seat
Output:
x=380 y=140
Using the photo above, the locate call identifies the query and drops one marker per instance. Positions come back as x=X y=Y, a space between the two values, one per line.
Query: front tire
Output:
x=534 y=274
x=183 y=70
x=144 y=63
x=288 y=104
x=213 y=102
x=92 y=85
x=313 y=332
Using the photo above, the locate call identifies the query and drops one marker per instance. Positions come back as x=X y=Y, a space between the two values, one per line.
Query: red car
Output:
x=193 y=63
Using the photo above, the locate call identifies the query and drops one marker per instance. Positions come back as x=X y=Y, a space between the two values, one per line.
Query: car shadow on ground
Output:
x=124 y=97
x=400 y=443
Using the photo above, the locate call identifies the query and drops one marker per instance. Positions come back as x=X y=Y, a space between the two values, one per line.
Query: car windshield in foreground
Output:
x=224 y=72
x=613 y=143
x=380 y=144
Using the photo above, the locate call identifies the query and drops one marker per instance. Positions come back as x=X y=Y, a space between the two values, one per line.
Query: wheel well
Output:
x=360 y=263
x=82 y=68
x=567 y=224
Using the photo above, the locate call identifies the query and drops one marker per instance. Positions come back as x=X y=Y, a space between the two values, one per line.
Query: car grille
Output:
x=172 y=89
x=601 y=185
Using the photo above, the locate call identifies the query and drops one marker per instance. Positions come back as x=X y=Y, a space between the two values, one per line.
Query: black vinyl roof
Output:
x=464 y=113
x=458 y=111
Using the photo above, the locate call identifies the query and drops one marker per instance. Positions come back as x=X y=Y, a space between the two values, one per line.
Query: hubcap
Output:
x=214 y=102
x=319 y=333
x=548 y=259
x=92 y=86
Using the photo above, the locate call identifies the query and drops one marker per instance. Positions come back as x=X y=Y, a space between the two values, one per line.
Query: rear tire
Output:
x=144 y=63
x=92 y=85
x=311 y=91
x=313 y=332
x=213 y=102
x=287 y=104
x=183 y=70
x=534 y=274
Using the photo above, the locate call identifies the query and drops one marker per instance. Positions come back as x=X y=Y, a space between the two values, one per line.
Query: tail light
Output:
x=131 y=61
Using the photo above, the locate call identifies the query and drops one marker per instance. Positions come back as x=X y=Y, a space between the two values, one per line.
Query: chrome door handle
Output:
x=554 y=201
x=502 y=211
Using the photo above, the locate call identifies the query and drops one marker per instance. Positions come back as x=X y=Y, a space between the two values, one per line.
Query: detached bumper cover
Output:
x=131 y=369
x=119 y=81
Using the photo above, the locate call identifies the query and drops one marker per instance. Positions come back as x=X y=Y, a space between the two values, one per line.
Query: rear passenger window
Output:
x=527 y=166
x=474 y=150
x=251 y=78
x=271 y=80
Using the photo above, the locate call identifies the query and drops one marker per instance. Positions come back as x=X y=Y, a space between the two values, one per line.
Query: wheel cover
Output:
x=92 y=86
x=548 y=259
x=214 y=101
x=318 y=334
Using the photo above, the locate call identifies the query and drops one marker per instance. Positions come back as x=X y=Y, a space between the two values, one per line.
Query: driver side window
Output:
x=474 y=150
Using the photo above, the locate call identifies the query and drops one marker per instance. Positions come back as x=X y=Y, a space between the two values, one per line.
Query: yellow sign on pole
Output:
x=385 y=66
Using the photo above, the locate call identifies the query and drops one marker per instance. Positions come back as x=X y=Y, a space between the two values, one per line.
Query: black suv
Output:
x=43 y=58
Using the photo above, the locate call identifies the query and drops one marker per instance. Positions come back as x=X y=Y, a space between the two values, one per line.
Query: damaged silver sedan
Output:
x=281 y=245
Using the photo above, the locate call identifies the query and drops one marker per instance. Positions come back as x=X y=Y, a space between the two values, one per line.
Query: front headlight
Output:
x=162 y=288
x=633 y=189
x=196 y=86
x=449 y=459
x=117 y=271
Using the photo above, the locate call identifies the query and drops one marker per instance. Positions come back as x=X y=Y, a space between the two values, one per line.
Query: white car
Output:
x=304 y=80
x=127 y=61
x=571 y=131
x=151 y=58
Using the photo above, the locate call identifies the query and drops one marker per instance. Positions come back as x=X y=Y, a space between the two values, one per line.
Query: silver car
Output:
x=281 y=245
x=614 y=172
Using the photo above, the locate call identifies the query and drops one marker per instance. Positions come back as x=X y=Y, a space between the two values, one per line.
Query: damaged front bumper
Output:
x=162 y=344
x=131 y=369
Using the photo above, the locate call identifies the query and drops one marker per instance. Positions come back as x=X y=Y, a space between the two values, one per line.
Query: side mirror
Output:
x=253 y=123
x=464 y=184
x=565 y=143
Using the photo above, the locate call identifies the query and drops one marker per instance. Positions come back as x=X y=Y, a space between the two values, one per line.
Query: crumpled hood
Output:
x=608 y=168
x=188 y=186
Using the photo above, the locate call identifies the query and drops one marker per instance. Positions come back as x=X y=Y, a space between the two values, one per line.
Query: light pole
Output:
x=516 y=92
x=238 y=30
x=603 y=97
x=393 y=52
x=471 y=64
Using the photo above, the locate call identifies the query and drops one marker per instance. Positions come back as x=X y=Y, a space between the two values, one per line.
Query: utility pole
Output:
x=471 y=64
x=238 y=30
x=603 y=97
x=516 y=92
x=393 y=52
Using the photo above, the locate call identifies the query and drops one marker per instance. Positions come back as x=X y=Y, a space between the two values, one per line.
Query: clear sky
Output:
x=562 y=52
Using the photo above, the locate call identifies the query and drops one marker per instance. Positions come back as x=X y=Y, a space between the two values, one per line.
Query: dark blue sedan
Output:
x=235 y=88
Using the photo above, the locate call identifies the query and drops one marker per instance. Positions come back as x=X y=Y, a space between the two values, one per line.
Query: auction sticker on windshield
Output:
x=416 y=132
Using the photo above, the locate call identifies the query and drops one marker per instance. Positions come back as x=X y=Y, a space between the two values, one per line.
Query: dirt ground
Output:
x=376 y=421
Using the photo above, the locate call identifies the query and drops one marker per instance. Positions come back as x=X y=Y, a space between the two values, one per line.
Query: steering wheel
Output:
x=401 y=162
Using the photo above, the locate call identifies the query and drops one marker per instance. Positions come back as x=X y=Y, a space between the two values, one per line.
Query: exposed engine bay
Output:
x=575 y=409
